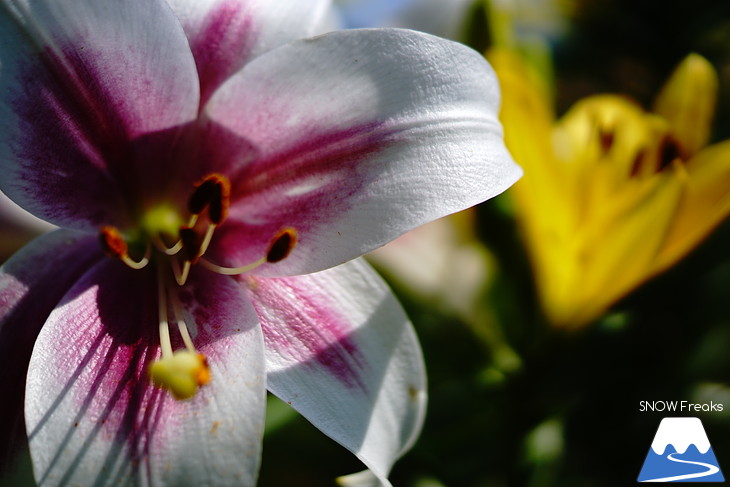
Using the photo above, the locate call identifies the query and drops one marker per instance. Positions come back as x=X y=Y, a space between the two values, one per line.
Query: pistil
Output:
x=164 y=327
x=183 y=372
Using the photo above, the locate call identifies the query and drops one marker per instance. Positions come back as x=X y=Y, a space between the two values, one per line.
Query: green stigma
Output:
x=162 y=219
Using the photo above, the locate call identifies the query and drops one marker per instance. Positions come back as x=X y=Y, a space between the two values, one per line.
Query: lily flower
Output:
x=613 y=194
x=214 y=177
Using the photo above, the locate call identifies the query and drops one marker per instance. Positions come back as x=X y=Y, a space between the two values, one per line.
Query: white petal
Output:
x=32 y=283
x=363 y=135
x=80 y=80
x=92 y=414
x=340 y=350
x=225 y=34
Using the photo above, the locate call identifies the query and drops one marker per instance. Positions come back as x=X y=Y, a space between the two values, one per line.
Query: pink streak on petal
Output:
x=304 y=326
x=199 y=150
x=305 y=186
x=113 y=313
x=31 y=284
x=221 y=45
x=79 y=166
x=110 y=318
x=67 y=148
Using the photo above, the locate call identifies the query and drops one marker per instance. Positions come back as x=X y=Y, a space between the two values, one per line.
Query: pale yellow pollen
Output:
x=181 y=374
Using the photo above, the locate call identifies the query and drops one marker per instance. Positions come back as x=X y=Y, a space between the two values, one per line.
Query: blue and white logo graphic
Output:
x=681 y=452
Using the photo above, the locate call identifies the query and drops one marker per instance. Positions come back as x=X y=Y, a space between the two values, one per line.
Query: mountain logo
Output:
x=681 y=452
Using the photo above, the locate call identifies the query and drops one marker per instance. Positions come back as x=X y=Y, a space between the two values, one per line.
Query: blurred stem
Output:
x=484 y=325
x=278 y=414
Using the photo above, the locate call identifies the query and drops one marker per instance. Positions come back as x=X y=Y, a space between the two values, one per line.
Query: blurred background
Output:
x=601 y=280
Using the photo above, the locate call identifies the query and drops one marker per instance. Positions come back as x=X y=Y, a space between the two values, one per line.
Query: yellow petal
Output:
x=603 y=130
x=527 y=118
x=704 y=205
x=613 y=251
x=620 y=219
x=545 y=215
x=688 y=100
x=526 y=112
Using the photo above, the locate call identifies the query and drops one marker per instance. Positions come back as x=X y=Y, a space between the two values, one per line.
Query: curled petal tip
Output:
x=688 y=100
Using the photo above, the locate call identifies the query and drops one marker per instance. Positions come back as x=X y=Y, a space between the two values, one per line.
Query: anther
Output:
x=282 y=245
x=638 y=163
x=114 y=245
x=112 y=242
x=191 y=243
x=606 y=138
x=212 y=192
x=669 y=150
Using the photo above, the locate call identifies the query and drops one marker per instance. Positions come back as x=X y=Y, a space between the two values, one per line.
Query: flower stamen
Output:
x=114 y=244
x=181 y=273
x=282 y=245
x=231 y=271
x=181 y=372
x=669 y=151
x=162 y=247
x=279 y=249
x=164 y=328
x=206 y=240
x=181 y=324
x=212 y=192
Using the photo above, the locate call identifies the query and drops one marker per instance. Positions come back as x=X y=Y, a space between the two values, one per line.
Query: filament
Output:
x=181 y=325
x=231 y=271
x=164 y=328
x=177 y=247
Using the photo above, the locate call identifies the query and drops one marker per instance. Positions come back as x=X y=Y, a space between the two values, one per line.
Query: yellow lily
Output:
x=612 y=194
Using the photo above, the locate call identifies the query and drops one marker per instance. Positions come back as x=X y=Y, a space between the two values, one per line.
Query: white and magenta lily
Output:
x=213 y=177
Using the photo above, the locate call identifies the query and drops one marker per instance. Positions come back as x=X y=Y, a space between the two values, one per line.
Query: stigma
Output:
x=174 y=240
x=182 y=373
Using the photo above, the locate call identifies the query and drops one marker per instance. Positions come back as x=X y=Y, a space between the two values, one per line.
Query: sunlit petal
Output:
x=704 y=204
x=363 y=135
x=31 y=284
x=226 y=34
x=79 y=81
x=340 y=350
x=688 y=101
x=93 y=413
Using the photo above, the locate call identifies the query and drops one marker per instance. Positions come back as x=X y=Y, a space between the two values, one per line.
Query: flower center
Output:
x=175 y=245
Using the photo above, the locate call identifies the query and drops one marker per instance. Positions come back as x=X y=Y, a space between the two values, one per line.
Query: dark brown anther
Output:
x=282 y=245
x=112 y=242
x=213 y=192
x=218 y=209
x=669 y=150
x=606 y=138
x=638 y=163
x=191 y=243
